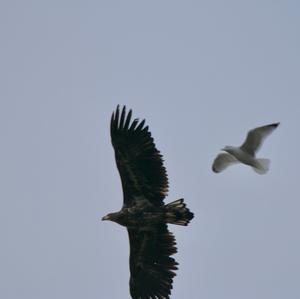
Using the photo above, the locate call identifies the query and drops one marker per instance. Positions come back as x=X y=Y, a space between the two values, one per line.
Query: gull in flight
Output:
x=246 y=152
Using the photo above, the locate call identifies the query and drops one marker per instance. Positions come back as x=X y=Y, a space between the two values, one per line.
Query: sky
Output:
x=202 y=73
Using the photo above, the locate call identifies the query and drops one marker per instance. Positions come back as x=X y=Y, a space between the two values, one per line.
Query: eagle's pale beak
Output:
x=105 y=218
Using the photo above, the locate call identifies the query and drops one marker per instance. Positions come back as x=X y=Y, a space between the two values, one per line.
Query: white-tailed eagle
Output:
x=144 y=214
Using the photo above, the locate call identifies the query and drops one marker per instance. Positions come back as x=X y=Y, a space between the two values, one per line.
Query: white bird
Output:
x=246 y=152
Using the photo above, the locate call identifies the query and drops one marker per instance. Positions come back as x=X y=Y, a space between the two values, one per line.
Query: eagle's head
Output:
x=115 y=217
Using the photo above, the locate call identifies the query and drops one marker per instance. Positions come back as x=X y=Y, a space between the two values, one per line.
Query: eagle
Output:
x=144 y=214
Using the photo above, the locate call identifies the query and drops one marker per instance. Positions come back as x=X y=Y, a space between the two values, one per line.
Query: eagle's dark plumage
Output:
x=145 y=185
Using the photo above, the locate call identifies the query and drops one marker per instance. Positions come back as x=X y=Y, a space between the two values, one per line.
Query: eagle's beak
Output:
x=105 y=218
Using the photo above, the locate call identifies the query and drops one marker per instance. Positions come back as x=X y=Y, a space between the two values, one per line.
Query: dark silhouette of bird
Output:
x=144 y=214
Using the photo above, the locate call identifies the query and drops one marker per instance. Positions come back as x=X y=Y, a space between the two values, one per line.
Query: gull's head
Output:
x=229 y=149
x=226 y=148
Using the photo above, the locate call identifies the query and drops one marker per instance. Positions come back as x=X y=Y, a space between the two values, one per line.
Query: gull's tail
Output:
x=177 y=213
x=261 y=166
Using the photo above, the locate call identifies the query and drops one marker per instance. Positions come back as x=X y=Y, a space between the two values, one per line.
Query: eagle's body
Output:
x=137 y=216
x=144 y=214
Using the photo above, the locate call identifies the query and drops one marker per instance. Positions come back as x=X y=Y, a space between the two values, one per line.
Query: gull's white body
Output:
x=246 y=152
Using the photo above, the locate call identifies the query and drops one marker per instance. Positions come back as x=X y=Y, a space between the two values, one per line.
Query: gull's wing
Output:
x=256 y=137
x=222 y=161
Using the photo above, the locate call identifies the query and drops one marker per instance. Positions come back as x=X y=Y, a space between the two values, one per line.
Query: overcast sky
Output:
x=202 y=73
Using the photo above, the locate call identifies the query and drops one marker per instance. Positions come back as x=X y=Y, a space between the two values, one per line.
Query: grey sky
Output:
x=202 y=73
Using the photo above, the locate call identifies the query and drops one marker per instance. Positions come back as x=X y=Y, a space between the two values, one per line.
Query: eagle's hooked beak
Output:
x=105 y=218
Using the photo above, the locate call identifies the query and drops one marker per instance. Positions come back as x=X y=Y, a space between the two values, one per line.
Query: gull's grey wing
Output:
x=222 y=161
x=256 y=137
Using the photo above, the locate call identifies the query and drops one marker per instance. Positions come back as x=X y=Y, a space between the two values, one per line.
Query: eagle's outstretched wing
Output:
x=151 y=267
x=139 y=163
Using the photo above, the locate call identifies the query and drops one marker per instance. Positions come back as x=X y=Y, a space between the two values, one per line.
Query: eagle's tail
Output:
x=177 y=213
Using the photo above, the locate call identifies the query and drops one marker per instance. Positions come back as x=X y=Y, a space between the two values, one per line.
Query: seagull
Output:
x=246 y=152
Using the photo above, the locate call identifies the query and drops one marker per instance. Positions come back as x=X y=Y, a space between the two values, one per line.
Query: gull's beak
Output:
x=105 y=218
